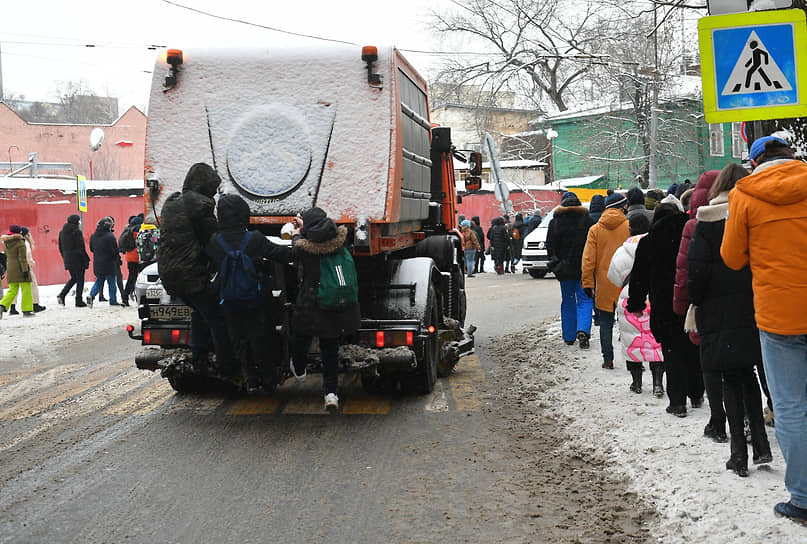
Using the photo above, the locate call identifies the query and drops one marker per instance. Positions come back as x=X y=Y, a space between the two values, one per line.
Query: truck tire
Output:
x=426 y=375
x=188 y=384
x=537 y=274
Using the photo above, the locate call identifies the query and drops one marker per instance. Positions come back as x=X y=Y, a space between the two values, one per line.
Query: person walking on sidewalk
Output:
x=653 y=274
x=766 y=226
x=104 y=249
x=75 y=258
x=127 y=245
x=566 y=239
x=716 y=428
x=29 y=248
x=470 y=245
x=479 y=261
x=603 y=240
x=724 y=312
x=18 y=273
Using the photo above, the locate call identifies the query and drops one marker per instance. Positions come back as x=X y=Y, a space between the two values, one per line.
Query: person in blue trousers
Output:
x=566 y=239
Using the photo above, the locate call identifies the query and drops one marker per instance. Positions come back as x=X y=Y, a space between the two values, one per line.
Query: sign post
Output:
x=754 y=65
x=81 y=196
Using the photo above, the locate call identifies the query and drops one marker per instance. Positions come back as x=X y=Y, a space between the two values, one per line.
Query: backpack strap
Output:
x=245 y=241
x=224 y=245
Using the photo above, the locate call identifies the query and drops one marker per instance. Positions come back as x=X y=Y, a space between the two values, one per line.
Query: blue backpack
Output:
x=240 y=284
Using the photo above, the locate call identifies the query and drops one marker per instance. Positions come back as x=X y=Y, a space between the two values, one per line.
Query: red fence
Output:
x=44 y=212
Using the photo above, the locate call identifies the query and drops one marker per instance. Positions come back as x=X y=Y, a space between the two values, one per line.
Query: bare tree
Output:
x=81 y=105
x=532 y=47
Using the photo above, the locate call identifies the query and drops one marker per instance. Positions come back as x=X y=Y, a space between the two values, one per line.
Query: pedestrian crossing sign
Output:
x=754 y=65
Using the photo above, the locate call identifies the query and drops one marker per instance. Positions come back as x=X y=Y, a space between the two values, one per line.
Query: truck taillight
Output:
x=388 y=338
x=166 y=337
x=379 y=339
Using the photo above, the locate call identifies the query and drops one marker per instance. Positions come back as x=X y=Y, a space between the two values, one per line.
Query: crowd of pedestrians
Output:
x=702 y=293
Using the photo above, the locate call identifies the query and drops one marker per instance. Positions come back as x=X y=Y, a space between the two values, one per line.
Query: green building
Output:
x=605 y=142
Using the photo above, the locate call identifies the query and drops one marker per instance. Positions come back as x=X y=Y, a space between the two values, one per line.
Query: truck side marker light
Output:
x=379 y=339
x=431 y=329
x=129 y=328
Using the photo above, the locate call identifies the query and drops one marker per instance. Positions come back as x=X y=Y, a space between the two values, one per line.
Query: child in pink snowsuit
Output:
x=634 y=331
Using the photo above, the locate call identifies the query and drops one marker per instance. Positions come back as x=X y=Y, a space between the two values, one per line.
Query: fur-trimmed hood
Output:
x=560 y=210
x=322 y=248
x=717 y=210
x=6 y=238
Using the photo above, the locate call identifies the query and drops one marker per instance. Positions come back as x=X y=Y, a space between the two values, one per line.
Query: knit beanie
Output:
x=635 y=196
x=639 y=224
x=616 y=200
x=74 y=218
x=15 y=229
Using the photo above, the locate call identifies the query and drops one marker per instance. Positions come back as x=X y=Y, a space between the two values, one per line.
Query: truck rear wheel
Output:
x=188 y=383
x=537 y=274
x=426 y=375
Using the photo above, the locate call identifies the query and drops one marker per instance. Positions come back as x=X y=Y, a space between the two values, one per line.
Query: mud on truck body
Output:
x=346 y=129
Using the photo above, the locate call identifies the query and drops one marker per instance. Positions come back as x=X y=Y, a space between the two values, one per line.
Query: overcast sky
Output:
x=43 y=41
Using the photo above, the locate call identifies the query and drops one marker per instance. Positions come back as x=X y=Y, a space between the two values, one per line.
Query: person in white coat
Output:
x=634 y=332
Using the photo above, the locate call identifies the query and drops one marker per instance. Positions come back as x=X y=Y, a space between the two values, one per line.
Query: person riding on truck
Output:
x=318 y=237
x=186 y=226
x=246 y=320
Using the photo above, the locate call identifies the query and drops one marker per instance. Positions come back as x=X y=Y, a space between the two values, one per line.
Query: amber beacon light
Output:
x=174 y=58
x=369 y=54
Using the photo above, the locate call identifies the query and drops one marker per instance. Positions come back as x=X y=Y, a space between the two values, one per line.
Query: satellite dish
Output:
x=96 y=138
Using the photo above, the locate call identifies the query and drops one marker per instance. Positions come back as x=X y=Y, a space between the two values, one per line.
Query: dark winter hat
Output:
x=664 y=209
x=639 y=224
x=569 y=199
x=232 y=211
x=24 y=231
x=74 y=218
x=15 y=229
x=203 y=179
x=597 y=204
x=317 y=226
x=635 y=196
x=135 y=220
x=672 y=189
x=759 y=145
x=616 y=200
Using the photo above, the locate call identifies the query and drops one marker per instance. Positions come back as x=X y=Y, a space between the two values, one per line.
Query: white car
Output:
x=534 y=256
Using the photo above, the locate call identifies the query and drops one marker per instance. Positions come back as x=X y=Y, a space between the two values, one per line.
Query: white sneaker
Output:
x=331 y=402
x=298 y=377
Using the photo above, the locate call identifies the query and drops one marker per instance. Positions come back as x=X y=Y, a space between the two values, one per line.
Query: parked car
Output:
x=534 y=256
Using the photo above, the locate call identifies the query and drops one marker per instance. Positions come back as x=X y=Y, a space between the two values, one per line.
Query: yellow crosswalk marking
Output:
x=305 y=406
x=148 y=398
x=14 y=376
x=201 y=405
x=463 y=383
x=369 y=405
x=254 y=406
x=51 y=396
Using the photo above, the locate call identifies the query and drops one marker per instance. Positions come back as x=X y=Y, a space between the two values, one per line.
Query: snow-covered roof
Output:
x=505 y=164
x=69 y=185
x=574 y=182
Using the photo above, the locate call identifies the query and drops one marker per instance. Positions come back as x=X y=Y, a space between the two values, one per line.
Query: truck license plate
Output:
x=154 y=292
x=166 y=311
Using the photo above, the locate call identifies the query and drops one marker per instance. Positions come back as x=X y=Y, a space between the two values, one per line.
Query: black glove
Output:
x=26 y=276
x=589 y=292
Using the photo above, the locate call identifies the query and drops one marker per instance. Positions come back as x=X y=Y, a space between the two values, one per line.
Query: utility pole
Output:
x=652 y=175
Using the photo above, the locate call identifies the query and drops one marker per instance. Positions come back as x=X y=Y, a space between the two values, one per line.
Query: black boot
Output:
x=13 y=310
x=657 y=369
x=101 y=297
x=635 y=369
x=38 y=308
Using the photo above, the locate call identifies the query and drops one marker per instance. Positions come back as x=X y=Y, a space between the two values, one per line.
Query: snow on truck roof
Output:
x=294 y=127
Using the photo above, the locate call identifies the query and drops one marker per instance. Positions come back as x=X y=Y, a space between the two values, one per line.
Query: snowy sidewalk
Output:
x=19 y=334
x=669 y=461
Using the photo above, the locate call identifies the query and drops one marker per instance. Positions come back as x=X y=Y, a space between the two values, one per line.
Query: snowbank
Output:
x=669 y=461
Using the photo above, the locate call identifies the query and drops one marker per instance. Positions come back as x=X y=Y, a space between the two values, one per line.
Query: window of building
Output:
x=716 y=140
x=737 y=143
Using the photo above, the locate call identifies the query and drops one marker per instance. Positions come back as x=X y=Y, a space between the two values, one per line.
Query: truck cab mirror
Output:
x=473 y=183
x=459 y=199
x=475 y=163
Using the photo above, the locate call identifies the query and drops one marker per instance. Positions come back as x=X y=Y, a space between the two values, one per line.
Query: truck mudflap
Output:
x=455 y=342
x=356 y=358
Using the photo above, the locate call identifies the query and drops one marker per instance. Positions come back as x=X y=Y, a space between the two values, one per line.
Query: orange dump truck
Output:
x=346 y=129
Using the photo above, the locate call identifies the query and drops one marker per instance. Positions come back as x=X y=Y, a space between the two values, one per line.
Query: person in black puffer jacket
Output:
x=75 y=257
x=499 y=243
x=247 y=323
x=653 y=273
x=104 y=249
x=724 y=301
x=186 y=225
x=565 y=240
x=319 y=236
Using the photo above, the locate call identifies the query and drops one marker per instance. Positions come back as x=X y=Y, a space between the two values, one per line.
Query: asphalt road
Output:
x=94 y=450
